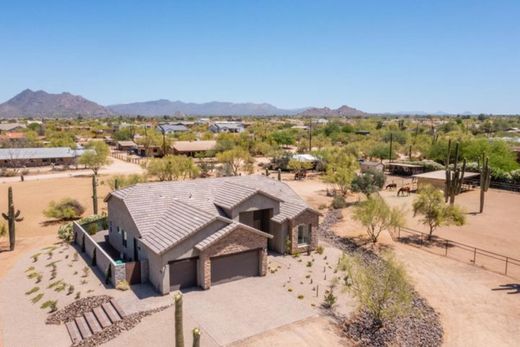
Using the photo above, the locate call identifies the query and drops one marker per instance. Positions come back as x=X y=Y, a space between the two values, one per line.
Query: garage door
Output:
x=234 y=266
x=183 y=273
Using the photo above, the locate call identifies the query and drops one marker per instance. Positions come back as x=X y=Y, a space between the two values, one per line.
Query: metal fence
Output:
x=459 y=251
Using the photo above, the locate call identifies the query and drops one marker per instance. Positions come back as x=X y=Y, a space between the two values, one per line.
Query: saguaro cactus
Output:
x=94 y=195
x=11 y=217
x=179 y=334
x=196 y=337
x=485 y=180
x=454 y=175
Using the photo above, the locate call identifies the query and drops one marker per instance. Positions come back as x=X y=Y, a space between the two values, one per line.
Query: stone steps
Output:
x=93 y=322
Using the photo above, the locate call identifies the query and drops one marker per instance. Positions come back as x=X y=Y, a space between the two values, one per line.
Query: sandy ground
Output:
x=473 y=312
x=496 y=230
x=116 y=167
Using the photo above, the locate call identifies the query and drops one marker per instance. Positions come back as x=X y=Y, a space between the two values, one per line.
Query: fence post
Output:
x=446 y=248
x=507 y=260
x=474 y=256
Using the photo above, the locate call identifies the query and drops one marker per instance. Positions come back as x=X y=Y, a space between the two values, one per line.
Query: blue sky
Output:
x=378 y=56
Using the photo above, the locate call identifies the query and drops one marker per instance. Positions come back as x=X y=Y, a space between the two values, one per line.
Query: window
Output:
x=304 y=234
x=125 y=238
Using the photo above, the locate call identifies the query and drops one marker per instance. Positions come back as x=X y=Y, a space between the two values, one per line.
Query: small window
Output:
x=125 y=238
x=304 y=234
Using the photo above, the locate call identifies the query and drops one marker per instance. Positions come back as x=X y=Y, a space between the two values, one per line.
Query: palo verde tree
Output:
x=95 y=156
x=381 y=287
x=172 y=168
x=431 y=205
x=375 y=215
x=235 y=159
x=341 y=170
x=12 y=216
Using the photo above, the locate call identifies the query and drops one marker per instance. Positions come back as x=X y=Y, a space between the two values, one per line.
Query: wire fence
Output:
x=482 y=258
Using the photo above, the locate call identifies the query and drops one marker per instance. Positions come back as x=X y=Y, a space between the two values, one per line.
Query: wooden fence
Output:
x=488 y=260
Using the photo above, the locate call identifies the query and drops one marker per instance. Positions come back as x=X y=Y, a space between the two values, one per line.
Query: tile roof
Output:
x=211 y=239
x=167 y=212
x=38 y=153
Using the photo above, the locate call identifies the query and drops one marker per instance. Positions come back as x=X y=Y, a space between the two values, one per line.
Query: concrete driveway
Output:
x=236 y=310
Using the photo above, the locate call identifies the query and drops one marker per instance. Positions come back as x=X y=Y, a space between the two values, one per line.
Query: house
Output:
x=7 y=127
x=208 y=231
x=126 y=145
x=30 y=157
x=172 y=128
x=190 y=148
x=227 y=127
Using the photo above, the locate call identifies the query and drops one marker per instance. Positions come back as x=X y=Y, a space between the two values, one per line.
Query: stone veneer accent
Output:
x=305 y=217
x=238 y=241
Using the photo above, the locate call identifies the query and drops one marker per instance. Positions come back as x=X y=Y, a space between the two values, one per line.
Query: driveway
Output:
x=240 y=309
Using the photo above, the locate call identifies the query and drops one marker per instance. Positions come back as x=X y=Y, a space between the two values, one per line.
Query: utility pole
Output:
x=310 y=134
x=391 y=143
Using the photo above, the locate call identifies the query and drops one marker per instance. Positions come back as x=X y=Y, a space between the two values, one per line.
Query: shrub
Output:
x=338 y=202
x=33 y=290
x=66 y=209
x=300 y=297
x=123 y=285
x=329 y=300
x=71 y=290
x=52 y=305
x=319 y=249
x=37 y=298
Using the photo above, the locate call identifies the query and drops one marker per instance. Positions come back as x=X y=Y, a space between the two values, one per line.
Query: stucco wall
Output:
x=256 y=202
x=118 y=216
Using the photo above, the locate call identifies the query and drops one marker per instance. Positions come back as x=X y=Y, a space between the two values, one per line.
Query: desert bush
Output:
x=338 y=202
x=66 y=209
x=32 y=290
x=319 y=249
x=71 y=290
x=37 y=298
x=329 y=300
x=52 y=305
x=381 y=287
x=65 y=231
x=123 y=285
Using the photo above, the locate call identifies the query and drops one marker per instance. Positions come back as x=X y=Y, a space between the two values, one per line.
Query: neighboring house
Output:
x=172 y=128
x=207 y=231
x=227 y=127
x=29 y=157
x=126 y=145
x=190 y=148
x=5 y=127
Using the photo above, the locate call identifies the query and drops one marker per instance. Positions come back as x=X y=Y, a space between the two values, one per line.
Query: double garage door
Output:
x=183 y=273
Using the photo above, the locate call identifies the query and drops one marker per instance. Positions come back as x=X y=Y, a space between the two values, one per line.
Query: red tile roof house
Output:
x=208 y=231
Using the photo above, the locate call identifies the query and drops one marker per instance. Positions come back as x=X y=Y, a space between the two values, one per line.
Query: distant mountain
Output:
x=39 y=103
x=328 y=112
x=167 y=107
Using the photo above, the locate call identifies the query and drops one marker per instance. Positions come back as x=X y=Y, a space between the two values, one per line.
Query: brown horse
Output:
x=391 y=186
x=403 y=190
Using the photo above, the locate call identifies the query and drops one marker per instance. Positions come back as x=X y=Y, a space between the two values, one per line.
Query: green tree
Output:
x=375 y=215
x=95 y=156
x=172 y=167
x=341 y=170
x=430 y=204
x=368 y=182
x=235 y=159
x=381 y=287
x=283 y=137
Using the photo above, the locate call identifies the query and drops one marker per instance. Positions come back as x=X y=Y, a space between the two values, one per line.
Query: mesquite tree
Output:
x=179 y=334
x=11 y=217
x=485 y=180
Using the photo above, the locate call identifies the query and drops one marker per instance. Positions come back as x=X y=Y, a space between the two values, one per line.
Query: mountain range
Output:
x=39 y=103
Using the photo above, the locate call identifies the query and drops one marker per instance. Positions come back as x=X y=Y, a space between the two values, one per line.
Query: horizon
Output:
x=381 y=57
